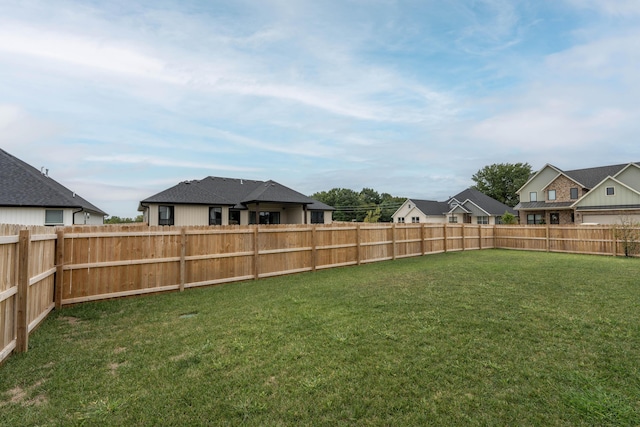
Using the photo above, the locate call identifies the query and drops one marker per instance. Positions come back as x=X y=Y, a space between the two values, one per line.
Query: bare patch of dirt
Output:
x=19 y=396
x=119 y=350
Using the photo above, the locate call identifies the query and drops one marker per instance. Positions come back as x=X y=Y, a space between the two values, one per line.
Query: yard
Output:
x=488 y=337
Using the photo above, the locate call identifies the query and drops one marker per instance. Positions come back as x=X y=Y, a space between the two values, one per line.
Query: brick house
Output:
x=600 y=195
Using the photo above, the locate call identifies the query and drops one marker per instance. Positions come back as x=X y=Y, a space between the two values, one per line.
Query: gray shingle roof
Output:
x=22 y=185
x=486 y=203
x=232 y=192
x=431 y=207
x=590 y=177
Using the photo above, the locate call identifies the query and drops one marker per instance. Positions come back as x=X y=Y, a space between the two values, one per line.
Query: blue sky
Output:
x=122 y=99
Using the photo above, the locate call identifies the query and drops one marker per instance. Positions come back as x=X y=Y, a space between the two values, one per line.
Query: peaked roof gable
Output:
x=485 y=203
x=535 y=175
x=590 y=177
x=633 y=195
x=22 y=185
x=431 y=207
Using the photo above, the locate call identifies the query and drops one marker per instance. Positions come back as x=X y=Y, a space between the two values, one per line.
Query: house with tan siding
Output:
x=599 y=195
x=228 y=201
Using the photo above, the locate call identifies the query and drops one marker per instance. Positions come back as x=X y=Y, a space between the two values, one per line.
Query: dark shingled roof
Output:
x=22 y=185
x=431 y=207
x=590 y=177
x=486 y=203
x=234 y=192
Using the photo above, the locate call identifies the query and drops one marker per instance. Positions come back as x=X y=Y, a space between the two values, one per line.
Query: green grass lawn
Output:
x=476 y=338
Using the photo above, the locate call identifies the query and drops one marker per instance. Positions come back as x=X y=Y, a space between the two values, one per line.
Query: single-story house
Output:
x=28 y=196
x=598 y=195
x=467 y=207
x=227 y=201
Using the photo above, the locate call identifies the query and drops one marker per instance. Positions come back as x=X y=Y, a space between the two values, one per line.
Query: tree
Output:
x=502 y=180
x=508 y=218
x=373 y=216
x=117 y=220
x=347 y=203
x=628 y=233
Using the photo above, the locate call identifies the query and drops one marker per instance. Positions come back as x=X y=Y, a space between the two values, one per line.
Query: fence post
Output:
x=393 y=239
x=183 y=253
x=59 y=269
x=547 y=236
x=464 y=241
x=22 y=330
x=423 y=247
x=479 y=237
x=314 y=253
x=444 y=227
x=615 y=241
x=358 y=241
x=256 y=252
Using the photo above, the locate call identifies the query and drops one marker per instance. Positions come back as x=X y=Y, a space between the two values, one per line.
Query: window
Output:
x=611 y=191
x=483 y=220
x=551 y=194
x=498 y=220
x=215 y=216
x=400 y=220
x=165 y=215
x=317 y=217
x=234 y=217
x=533 y=196
x=269 y=217
x=573 y=193
x=453 y=219
x=534 y=219
x=54 y=217
x=554 y=218
x=415 y=219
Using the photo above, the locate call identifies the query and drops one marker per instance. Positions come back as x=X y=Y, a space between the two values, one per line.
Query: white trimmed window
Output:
x=611 y=191
x=415 y=219
x=533 y=196
x=400 y=220
x=551 y=194
x=53 y=217
x=483 y=220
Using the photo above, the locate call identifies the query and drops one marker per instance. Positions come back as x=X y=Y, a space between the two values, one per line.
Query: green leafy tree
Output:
x=347 y=203
x=117 y=220
x=502 y=181
x=373 y=216
x=509 y=218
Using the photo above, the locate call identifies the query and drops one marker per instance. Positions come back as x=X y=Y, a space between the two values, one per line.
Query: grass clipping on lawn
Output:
x=476 y=338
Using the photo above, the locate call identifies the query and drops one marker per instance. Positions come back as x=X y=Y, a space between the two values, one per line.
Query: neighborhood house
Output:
x=228 y=201
x=600 y=195
x=28 y=196
x=467 y=207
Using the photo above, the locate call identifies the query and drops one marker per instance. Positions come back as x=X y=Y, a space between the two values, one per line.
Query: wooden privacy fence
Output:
x=101 y=263
x=27 y=270
x=43 y=267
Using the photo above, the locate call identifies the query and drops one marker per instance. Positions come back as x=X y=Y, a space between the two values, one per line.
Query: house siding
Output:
x=36 y=216
x=630 y=176
x=598 y=197
x=538 y=183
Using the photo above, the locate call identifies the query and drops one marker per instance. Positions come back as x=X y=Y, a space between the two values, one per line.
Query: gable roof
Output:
x=482 y=201
x=431 y=207
x=22 y=185
x=232 y=192
x=590 y=177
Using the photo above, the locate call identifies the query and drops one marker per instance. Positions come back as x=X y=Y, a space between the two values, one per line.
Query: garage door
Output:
x=608 y=219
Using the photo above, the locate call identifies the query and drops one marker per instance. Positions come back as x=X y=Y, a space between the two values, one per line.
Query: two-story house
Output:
x=600 y=195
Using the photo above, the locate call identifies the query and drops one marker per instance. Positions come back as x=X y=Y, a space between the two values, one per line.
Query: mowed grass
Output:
x=476 y=338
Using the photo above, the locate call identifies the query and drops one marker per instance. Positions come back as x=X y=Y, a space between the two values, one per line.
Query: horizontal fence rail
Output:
x=44 y=267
